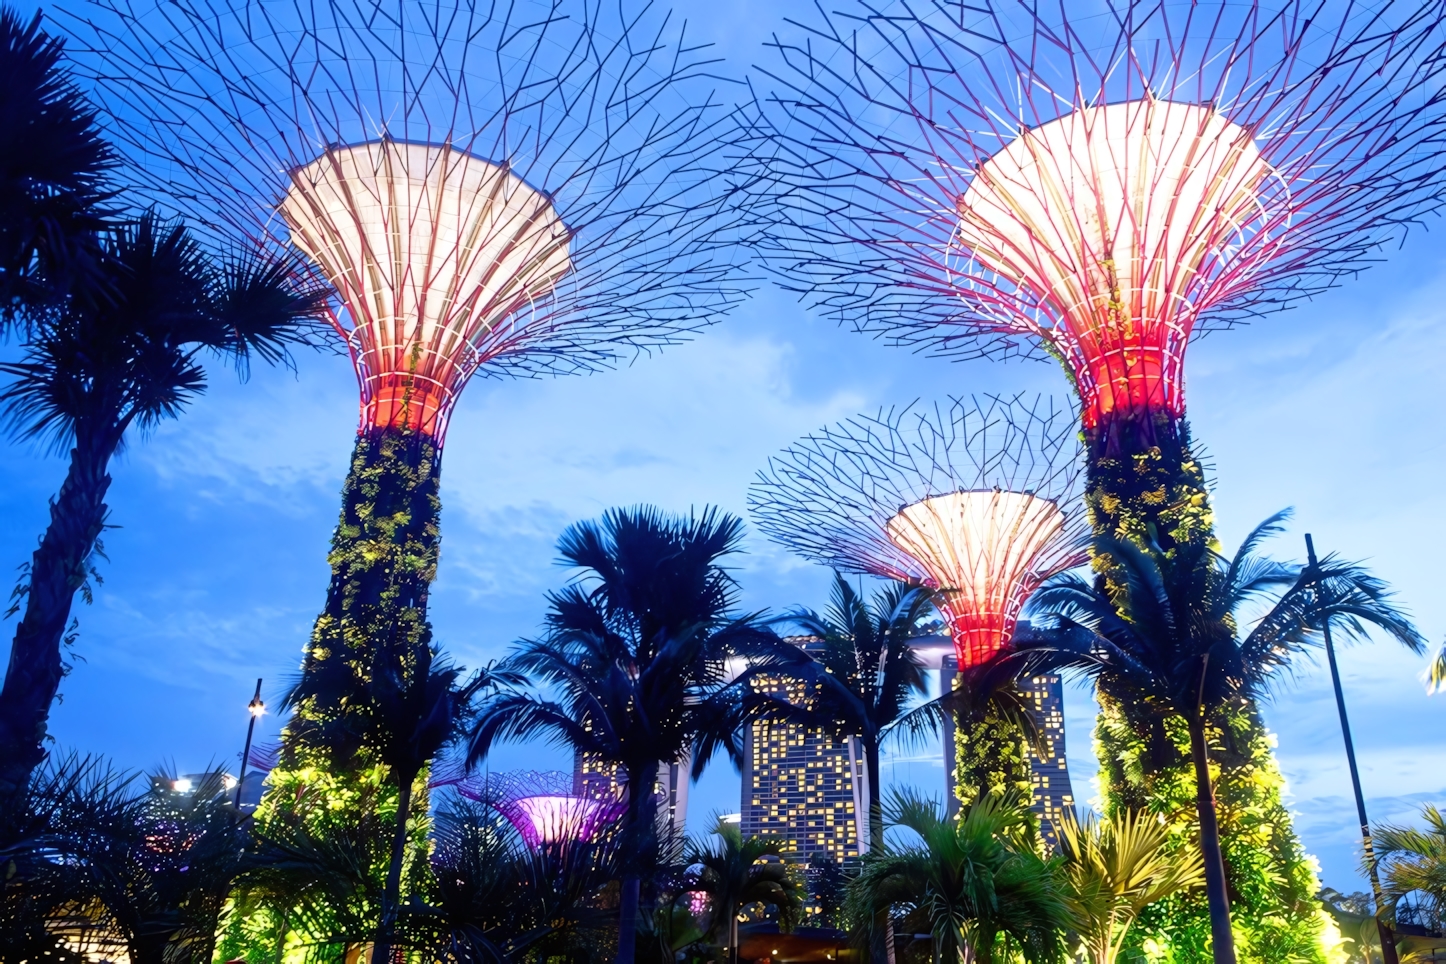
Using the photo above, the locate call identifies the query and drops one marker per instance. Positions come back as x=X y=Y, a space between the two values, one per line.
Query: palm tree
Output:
x=53 y=164
x=404 y=708
x=46 y=894
x=1414 y=869
x=1114 y=869
x=1174 y=644
x=163 y=884
x=635 y=655
x=103 y=365
x=500 y=900
x=863 y=675
x=421 y=707
x=734 y=873
x=977 y=884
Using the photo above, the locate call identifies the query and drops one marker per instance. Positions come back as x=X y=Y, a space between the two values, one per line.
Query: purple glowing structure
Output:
x=541 y=806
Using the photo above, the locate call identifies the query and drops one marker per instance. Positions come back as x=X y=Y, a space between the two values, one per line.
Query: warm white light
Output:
x=982 y=550
x=432 y=250
x=181 y=786
x=1115 y=208
x=977 y=543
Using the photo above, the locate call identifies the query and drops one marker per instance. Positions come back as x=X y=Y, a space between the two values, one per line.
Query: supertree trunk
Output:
x=1148 y=764
x=991 y=756
x=383 y=559
x=1145 y=483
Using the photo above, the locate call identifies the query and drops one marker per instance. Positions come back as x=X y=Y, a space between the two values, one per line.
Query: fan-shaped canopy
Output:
x=556 y=818
x=432 y=251
x=1120 y=223
x=986 y=552
x=990 y=494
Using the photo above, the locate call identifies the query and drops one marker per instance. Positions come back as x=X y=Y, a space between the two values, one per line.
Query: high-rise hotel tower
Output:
x=801 y=784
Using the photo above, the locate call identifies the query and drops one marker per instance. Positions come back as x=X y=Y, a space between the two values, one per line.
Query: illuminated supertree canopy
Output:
x=978 y=499
x=490 y=190
x=542 y=806
x=1006 y=178
x=521 y=189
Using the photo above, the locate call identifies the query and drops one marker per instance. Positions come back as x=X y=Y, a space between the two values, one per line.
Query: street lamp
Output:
x=256 y=709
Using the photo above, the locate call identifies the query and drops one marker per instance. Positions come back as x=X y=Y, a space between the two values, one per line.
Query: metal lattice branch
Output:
x=996 y=178
x=538 y=181
x=979 y=499
x=541 y=806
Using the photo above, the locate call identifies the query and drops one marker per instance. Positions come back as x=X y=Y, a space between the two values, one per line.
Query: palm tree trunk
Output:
x=881 y=954
x=628 y=919
x=876 y=805
x=642 y=828
x=1215 y=892
x=391 y=895
x=57 y=569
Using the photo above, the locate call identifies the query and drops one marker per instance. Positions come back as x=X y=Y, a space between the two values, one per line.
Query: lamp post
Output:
x=256 y=708
x=1388 y=940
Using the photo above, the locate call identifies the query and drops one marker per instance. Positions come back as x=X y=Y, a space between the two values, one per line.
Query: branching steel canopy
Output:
x=431 y=250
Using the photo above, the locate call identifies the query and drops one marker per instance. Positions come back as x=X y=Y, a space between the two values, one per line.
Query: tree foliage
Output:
x=53 y=169
x=1412 y=862
x=977 y=882
x=1115 y=868
x=1171 y=644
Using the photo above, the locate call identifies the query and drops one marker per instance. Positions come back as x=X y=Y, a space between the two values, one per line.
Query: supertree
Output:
x=541 y=805
x=978 y=500
x=1008 y=178
x=491 y=190
x=998 y=179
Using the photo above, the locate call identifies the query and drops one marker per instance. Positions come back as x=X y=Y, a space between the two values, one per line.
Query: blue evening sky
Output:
x=217 y=564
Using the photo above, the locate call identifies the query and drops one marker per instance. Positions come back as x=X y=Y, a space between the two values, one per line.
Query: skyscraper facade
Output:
x=601 y=780
x=1049 y=773
x=801 y=784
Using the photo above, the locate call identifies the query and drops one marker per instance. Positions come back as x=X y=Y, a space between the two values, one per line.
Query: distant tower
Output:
x=600 y=780
x=978 y=501
x=801 y=784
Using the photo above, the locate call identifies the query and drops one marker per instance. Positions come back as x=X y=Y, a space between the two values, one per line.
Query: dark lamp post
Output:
x=1388 y=940
x=256 y=709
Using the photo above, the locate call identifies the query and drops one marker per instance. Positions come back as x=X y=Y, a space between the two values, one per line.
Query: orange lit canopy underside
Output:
x=985 y=551
x=1118 y=225
x=432 y=251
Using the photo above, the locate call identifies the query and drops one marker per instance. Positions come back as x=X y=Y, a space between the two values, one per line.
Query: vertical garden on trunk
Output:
x=1015 y=179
